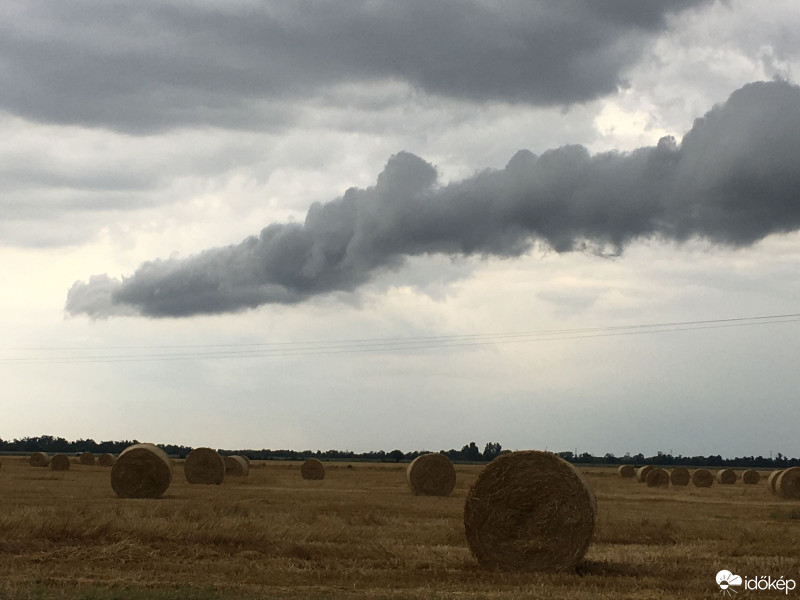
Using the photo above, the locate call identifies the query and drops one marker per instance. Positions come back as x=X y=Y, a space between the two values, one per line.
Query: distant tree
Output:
x=492 y=450
x=396 y=455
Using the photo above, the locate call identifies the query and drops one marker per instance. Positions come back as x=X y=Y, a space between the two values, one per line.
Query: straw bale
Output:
x=236 y=466
x=39 y=459
x=657 y=478
x=431 y=474
x=679 y=476
x=727 y=476
x=787 y=484
x=750 y=477
x=702 y=478
x=204 y=466
x=626 y=471
x=772 y=479
x=60 y=462
x=141 y=471
x=312 y=469
x=529 y=511
x=641 y=472
x=106 y=460
x=87 y=458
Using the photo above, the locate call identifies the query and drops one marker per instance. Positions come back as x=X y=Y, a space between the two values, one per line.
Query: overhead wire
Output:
x=284 y=349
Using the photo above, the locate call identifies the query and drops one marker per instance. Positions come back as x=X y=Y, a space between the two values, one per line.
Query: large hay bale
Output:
x=529 y=511
x=39 y=459
x=431 y=474
x=141 y=471
x=626 y=471
x=106 y=460
x=727 y=476
x=87 y=458
x=312 y=469
x=787 y=484
x=750 y=477
x=60 y=462
x=702 y=478
x=204 y=466
x=772 y=479
x=641 y=473
x=680 y=476
x=236 y=466
x=657 y=478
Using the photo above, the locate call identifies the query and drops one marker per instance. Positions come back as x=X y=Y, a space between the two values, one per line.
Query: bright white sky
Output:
x=131 y=132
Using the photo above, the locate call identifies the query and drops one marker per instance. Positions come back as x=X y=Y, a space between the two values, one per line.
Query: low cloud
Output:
x=732 y=180
x=150 y=66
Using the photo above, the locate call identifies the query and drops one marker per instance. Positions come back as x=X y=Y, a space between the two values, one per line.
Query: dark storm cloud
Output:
x=733 y=180
x=146 y=66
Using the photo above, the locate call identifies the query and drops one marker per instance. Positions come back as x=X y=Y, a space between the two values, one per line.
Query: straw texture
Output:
x=204 y=466
x=312 y=469
x=431 y=475
x=529 y=511
x=141 y=471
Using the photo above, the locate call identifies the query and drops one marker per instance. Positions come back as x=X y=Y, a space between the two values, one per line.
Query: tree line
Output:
x=470 y=453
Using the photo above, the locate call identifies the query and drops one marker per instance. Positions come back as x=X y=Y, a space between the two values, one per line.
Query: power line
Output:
x=108 y=354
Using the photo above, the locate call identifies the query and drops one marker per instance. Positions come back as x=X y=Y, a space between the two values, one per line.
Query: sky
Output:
x=378 y=225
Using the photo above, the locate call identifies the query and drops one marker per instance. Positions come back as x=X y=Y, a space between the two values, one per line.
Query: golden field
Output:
x=360 y=533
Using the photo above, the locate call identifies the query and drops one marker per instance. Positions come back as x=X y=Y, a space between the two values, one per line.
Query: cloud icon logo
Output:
x=726 y=579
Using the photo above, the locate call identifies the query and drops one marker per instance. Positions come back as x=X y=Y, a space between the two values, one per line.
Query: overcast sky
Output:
x=376 y=225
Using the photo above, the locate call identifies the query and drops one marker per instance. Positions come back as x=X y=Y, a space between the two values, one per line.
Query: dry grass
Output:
x=360 y=534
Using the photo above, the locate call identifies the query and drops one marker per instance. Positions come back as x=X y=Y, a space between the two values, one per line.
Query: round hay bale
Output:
x=236 y=466
x=626 y=471
x=529 y=511
x=141 y=471
x=657 y=478
x=787 y=484
x=39 y=459
x=641 y=472
x=772 y=479
x=702 y=478
x=204 y=466
x=87 y=458
x=679 y=476
x=312 y=469
x=727 y=476
x=750 y=477
x=60 y=462
x=431 y=474
x=106 y=460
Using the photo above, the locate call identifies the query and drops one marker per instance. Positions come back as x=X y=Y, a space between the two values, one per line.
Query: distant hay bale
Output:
x=39 y=459
x=702 y=478
x=727 y=476
x=772 y=480
x=641 y=472
x=87 y=458
x=679 y=476
x=750 y=477
x=60 y=462
x=431 y=474
x=657 y=478
x=106 y=460
x=626 y=471
x=141 y=471
x=529 y=511
x=236 y=466
x=787 y=484
x=204 y=466
x=312 y=469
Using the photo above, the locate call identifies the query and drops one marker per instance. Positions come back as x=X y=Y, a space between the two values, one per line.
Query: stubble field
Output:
x=360 y=533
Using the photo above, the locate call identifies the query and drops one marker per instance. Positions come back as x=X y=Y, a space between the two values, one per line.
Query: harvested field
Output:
x=361 y=536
